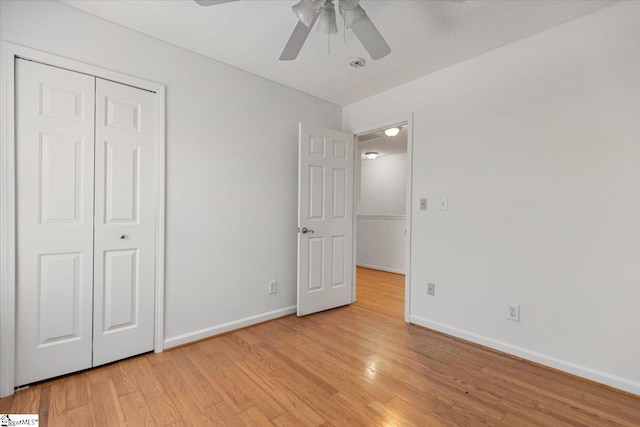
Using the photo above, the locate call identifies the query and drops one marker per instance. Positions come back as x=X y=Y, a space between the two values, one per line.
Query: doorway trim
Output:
x=408 y=118
x=9 y=52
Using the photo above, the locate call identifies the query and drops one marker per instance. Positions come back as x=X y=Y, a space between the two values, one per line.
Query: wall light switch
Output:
x=423 y=204
x=443 y=203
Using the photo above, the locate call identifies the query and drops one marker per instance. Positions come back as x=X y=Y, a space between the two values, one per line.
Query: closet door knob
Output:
x=123 y=236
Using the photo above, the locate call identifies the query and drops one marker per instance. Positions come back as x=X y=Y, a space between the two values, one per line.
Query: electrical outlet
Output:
x=431 y=288
x=273 y=286
x=513 y=312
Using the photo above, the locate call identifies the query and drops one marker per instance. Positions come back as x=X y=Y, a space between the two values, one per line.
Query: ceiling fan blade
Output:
x=297 y=39
x=212 y=2
x=370 y=37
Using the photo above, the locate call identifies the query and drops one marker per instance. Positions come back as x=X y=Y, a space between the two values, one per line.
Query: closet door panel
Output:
x=124 y=222
x=54 y=221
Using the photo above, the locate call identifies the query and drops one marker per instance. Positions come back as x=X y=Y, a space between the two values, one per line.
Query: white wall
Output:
x=537 y=145
x=381 y=208
x=381 y=242
x=231 y=165
x=383 y=185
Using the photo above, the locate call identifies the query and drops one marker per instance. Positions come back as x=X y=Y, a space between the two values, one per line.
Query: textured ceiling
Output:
x=424 y=36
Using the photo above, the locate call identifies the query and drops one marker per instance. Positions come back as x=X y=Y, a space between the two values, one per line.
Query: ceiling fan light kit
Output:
x=323 y=11
x=309 y=12
x=327 y=20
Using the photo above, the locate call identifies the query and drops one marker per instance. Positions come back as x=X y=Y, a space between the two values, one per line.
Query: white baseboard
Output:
x=377 y=267
x=226 y=327
x=543 y=359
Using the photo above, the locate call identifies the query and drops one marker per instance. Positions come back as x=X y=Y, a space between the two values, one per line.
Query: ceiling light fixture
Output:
x=327 y=20
x=307 y=11
x=371 y=155
x=391 y=132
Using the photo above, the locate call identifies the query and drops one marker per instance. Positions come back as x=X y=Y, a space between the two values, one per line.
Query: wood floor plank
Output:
x=290 y=420
x=211 y=367
x=122 y=378
x=26 y=401
x=604 y=403
x=45 y=398
x=354 y=365
x=299 y=399
x=135 y=409
x=155 y=396
x=249 y=383
x=517 y=415
x=179 y=393
x=330 y=373
x=308 y=375
x=58 y=403
x=105 y=407
x=6 y=404
x=78 y=391
x=560 y=401
x=288 y=400
x=357 y=376
x=224 y=415
x=413 y=412
x=80 y=416
x=253 y=417
x=360 y=413
x=201 y=390
x=388 y=416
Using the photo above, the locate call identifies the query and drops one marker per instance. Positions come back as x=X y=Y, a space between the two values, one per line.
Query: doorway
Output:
x=382 y=200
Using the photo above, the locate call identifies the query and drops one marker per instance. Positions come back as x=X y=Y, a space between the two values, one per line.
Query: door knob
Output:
x=305 y=230
x=123 y=236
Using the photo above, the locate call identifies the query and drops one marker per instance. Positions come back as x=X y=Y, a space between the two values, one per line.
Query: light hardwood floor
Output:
x=356 y=365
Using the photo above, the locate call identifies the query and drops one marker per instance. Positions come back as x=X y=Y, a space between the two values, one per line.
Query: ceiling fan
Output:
x=323 y=12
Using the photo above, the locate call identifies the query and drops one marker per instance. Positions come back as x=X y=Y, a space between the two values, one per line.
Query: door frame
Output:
x=383 y=124
x=9 y=52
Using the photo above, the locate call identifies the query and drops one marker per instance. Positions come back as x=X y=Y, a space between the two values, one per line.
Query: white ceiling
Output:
x=424 y=36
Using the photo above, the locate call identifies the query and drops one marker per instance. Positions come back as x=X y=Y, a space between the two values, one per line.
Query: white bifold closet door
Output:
x=86 y=167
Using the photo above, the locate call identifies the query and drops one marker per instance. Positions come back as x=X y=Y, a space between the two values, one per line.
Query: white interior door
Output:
x=54 y=166
x=325 y=219
x=124 y=260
